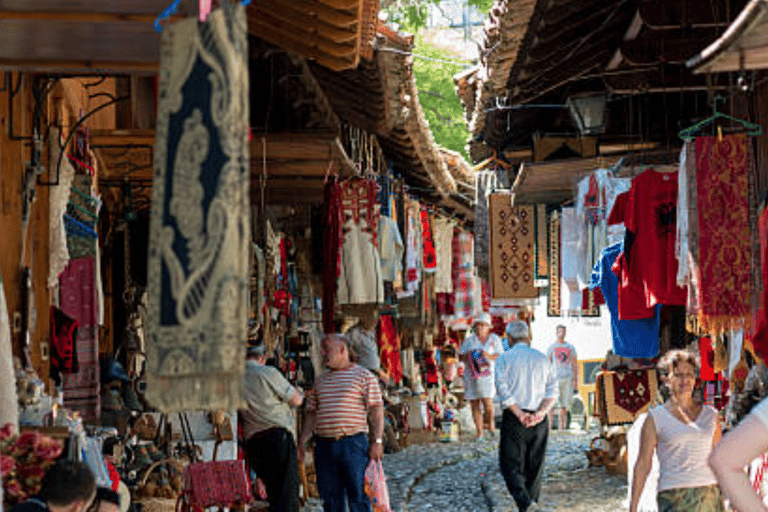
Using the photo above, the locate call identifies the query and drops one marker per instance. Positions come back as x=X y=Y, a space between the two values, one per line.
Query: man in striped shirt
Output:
x=345 y=407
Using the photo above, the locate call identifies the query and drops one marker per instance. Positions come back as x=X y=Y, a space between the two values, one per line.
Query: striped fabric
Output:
x=341 y=401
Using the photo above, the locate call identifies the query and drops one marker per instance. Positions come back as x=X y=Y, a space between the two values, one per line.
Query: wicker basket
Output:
x=155 y=504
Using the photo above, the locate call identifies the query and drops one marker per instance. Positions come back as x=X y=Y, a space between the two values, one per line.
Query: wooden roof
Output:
x=555 y=49
x=334 y=33
x=103 y=36
x=744 y=46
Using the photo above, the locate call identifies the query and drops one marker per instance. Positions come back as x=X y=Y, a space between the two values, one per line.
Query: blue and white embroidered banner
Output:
x=200 y=227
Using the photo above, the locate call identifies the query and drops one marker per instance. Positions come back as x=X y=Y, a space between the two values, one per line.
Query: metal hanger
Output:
x=752 y=129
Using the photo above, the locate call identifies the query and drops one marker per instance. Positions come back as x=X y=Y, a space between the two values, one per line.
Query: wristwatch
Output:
x=378 y=440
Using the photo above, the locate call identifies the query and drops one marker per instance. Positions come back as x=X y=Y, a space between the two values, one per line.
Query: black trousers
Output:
x=521 y=458
x=272 y=455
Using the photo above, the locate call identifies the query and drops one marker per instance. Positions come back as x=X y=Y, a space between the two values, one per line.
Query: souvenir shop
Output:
x=151 y=275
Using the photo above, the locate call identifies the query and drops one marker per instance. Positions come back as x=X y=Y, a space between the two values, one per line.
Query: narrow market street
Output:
x=465 y=476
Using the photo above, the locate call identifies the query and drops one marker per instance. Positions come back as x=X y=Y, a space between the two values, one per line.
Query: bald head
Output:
x=335 y=351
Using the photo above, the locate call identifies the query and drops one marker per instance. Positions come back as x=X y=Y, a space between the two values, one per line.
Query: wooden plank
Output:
x=122 y=138
x=289 y=16
x=347 y=59
x=82 y=17
x=94 y=66
x=331 y=14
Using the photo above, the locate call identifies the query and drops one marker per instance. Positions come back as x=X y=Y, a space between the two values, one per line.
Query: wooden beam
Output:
x=288 y=16
x=82 y=17
x=95 y=66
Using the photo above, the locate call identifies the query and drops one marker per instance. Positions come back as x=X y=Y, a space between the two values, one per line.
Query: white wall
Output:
x=590 y=335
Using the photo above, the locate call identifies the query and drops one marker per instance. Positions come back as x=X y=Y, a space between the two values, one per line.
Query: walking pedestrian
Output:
x=745 y=443
x=269 y=426
x=563 y=356
x=362 y=339
x=345 y=407
x=479 y=353
x=682 y=432
x=527 y=388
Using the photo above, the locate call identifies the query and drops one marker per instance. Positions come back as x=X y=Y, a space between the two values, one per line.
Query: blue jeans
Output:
x=341 y=469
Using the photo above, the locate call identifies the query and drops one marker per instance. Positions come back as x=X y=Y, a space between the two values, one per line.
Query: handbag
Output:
x=218 y=483
x=376 y=487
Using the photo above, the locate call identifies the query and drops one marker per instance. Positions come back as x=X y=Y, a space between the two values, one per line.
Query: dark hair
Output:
x=107 y=495
x=674 y=358
x=67 y=482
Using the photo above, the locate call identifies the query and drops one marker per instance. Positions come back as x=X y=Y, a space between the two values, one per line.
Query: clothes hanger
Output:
x=167 y=13
x=751 y=129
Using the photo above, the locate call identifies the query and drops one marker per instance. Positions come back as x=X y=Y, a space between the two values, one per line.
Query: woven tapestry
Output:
x=78 y=300
x=590 y=306
x=542 y=236
x=512 y=249
x=200 y=227
x=725 y=252
x=623 y=395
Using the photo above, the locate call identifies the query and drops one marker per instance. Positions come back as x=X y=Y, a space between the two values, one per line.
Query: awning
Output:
x=744 y=46
x=110 y=36
x=556 y=181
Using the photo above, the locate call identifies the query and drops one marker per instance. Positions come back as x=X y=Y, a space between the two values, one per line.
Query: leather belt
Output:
x=339 y=437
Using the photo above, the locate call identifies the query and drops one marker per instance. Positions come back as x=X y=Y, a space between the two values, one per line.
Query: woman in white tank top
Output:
x=682 y=433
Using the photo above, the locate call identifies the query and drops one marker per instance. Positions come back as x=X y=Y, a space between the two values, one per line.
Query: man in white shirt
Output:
x=527 y=388
x=563 y=357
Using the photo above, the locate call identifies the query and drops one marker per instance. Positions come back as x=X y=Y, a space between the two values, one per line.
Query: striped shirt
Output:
x=341 y=401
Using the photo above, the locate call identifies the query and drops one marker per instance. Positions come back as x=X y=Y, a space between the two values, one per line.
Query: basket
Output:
x=157 y=504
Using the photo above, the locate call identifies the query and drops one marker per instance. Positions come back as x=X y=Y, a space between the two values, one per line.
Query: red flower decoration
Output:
x=13 y=488
x=47 y=448
x=6 y=432
x=31 y=471
x=27 y=440
x=7 y=465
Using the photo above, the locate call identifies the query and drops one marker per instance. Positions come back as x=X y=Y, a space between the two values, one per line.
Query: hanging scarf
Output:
x=389 y=349
x=430 y=256
x=724 y=231
x=332 y=253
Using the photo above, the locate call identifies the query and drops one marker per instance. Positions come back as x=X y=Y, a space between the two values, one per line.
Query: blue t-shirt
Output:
x=631 y=338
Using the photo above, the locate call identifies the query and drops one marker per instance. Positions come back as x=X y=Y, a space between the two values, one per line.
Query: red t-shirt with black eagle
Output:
x=649 y=244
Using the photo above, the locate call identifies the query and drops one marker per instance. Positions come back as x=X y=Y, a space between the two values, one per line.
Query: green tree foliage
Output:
x=411 y=15
x=437 y=96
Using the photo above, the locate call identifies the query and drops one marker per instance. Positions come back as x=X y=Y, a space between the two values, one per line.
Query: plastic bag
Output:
x=376 y=487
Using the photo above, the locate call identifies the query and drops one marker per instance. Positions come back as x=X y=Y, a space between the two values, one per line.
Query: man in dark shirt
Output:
x=67 y=486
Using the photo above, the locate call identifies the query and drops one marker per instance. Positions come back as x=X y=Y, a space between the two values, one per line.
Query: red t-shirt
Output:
x=631 y=293
x=649 y=246
x=619 y=210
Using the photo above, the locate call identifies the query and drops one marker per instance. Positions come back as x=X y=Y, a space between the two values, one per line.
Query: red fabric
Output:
x=597 y=297
x=445 y=303
x=63 y=336
x=499 y=326
x=632 y=391
x=707 y=354
x=649 y=247
x=114 y=476
x=760 y=339
x=631 y=294
x=619 y=210
x=725 y=253
x=389 y=348
x=78 y=292
x=220 y=483
x=332 y=252
x=430 y=256
x=485 y=291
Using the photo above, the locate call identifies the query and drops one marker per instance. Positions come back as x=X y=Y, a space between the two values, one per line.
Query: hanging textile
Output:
x=760 y=338
x=80 y=216
x=622 y=395
x=430 y=256
x=465 y=282
x=58 y=198
x=724 y=233
x=595 y=198
x=63 y=353
x=683 y=206
x=413 y=246
x=485 y=183
x=389 y=343
x=649 y=248
x=200 y=227
x=512 y=245
x=631 y=338
x=707 y=357
x=443 y=237
x=562 y=300
x=391 y=249
x=9 y=402
x=331 y=252
x=542 y=257
x=79 y=301
x=360 y=280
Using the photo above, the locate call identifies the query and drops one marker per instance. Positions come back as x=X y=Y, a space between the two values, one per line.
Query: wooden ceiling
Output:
x=635 y=51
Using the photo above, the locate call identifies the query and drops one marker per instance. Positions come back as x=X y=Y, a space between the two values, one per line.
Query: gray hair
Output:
x=518 y=330
x=343 y=338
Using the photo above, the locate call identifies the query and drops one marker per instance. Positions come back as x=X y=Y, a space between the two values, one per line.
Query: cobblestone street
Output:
x=465 y=476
